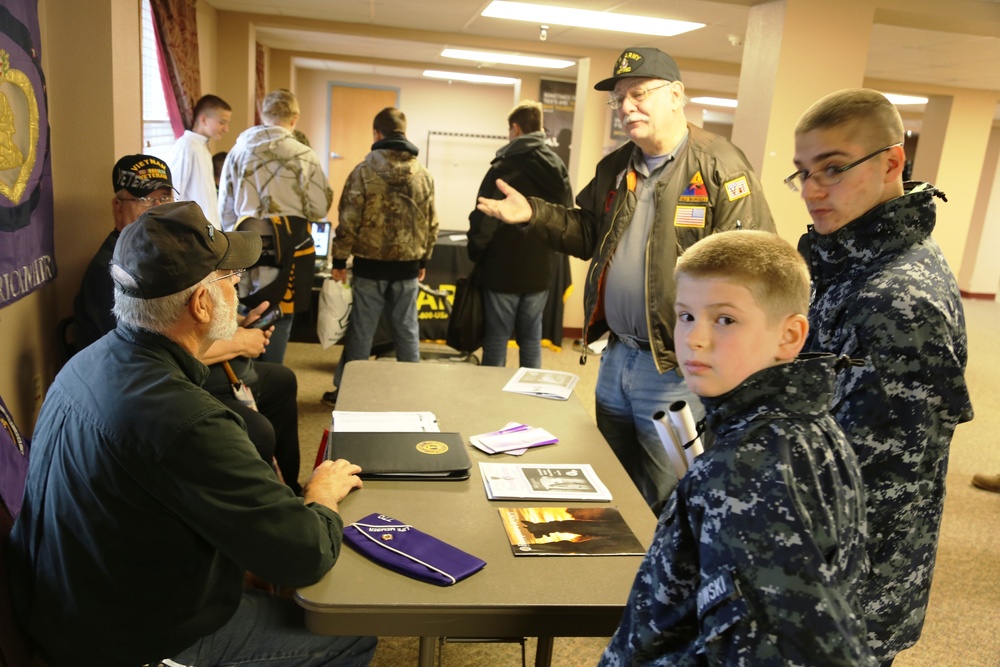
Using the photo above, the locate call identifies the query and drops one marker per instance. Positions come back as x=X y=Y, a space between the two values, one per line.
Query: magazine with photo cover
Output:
x=569 y=531
x=542 y=481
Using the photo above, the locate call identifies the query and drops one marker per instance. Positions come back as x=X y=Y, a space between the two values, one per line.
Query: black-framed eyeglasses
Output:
x=637 y=96
x=148 y=202
x=830 y=176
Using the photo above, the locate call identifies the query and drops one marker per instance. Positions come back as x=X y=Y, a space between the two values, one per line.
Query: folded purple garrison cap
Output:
x=406 y=550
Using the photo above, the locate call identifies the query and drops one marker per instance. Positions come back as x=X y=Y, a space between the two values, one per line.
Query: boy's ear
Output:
x=794 y=330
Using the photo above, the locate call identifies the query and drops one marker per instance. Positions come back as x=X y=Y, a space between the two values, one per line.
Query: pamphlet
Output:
x=514 y=438
x=569 y=531
x=540 y=481
x=546 y=384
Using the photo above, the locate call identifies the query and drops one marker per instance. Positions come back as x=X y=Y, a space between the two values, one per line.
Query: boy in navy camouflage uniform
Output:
x=883 y=294
x=759 y=551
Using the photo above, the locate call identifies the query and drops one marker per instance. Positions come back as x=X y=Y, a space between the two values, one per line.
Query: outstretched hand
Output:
x=512 y=209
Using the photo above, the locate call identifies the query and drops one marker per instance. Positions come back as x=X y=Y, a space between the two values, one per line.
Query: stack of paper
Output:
x=554 y=481
x=384 y=422
x=514 y=438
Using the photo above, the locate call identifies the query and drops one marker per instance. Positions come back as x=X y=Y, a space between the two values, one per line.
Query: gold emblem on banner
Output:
x=18 y=130
x=432 y=447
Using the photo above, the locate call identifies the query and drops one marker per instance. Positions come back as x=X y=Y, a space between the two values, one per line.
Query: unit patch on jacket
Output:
x=737 y=188
x=695 y=192
x=689 y=216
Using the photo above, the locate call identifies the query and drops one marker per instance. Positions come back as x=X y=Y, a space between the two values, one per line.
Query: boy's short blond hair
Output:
x=764 y=263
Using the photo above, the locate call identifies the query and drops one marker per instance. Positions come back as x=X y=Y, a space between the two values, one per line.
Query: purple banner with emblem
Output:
x=27 y=249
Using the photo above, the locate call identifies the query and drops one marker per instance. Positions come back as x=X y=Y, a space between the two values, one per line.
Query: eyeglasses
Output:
x=238 y=273
x=826 y=178
x=148 y=202
x=637 y=96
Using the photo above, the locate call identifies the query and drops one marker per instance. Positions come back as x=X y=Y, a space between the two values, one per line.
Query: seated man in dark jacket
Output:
x=142 y=181
x=515 y=268
x=146 y=503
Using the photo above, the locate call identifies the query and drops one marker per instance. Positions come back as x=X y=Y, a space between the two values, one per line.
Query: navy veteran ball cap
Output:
x=141 y=174
x=641 y=61
x=173 y=246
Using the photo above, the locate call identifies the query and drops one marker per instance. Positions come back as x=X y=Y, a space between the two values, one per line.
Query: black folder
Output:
x=420 y=456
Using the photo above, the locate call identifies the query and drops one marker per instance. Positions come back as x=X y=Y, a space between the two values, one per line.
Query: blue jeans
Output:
x=278 y=343
x=270 y=631
x=520 y=314
x=397 y=300
x=629 y=391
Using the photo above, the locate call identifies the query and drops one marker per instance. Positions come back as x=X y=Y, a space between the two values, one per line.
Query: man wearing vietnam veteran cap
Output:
x=657 y=195
x=146 y=503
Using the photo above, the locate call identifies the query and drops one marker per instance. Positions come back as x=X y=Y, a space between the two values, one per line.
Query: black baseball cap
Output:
x=141 y=174
x=640 y=61
x=173 y=246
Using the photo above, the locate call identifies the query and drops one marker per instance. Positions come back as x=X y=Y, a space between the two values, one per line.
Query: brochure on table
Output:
x=542 y=481
x=545 y=384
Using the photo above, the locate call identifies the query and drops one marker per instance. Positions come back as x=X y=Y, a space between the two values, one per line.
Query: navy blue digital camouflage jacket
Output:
x=759 y=551
x=883 y=293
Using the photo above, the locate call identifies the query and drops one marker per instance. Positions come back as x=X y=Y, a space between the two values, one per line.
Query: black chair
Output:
x=65 y=341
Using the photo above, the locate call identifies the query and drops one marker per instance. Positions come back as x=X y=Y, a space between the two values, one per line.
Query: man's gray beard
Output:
x=224 y=323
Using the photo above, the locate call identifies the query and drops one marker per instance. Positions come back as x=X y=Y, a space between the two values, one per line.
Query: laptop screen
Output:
x=321 y=237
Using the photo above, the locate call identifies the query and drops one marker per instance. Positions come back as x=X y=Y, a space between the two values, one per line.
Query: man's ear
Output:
x=794 y=330
x=199 y=306
x=894 y=164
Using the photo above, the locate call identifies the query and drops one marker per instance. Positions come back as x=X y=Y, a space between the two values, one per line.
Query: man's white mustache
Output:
x=634 y=117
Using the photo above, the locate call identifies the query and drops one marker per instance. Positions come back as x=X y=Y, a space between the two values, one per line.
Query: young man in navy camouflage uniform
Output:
x=759 y=551
x=883 y=294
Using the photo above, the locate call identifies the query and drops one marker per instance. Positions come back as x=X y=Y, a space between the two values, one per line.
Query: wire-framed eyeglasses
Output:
x=238 y=273
x=637 y=96
x=148 y=202
x=829 y=176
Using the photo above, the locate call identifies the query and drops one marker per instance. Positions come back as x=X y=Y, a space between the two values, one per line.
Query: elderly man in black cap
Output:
x=144 y=181
x=657 y=195
x=146 y=503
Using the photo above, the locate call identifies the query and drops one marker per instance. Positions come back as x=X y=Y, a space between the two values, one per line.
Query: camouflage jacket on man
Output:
x=387 y=212
x=759 y=551
x=883 y=293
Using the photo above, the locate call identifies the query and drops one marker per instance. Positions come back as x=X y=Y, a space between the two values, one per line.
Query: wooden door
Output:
x=352 y=110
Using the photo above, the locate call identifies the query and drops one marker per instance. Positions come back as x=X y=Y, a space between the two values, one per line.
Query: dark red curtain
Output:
x=175 y=25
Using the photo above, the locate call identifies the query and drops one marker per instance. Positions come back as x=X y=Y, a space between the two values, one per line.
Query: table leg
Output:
x=428 y=651
x=543 y=652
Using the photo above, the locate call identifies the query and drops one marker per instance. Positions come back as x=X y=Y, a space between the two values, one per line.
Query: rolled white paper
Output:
x=683 y=422
x=671 y=443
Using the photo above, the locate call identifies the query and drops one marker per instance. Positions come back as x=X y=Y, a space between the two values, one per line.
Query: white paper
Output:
x=540 y=481
x=343 y=421
x=545 y=384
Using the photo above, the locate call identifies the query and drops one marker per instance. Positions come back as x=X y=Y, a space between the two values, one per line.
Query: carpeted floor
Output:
x=963 y=621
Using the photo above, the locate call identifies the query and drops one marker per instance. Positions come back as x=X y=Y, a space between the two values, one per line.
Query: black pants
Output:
x=274 y=430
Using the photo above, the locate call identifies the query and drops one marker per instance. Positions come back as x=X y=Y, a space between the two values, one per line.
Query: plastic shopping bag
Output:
x=334 y=311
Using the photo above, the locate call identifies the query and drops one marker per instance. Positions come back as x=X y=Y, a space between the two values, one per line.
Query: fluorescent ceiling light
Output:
x=471 y=78
x=506 y=59
x=902 y=100
x=715 y=102
x=585 y=18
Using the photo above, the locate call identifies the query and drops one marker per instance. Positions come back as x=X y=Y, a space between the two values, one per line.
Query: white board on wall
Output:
x=458 y=162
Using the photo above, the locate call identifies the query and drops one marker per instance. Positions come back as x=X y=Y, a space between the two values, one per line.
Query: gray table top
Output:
x=553 y=595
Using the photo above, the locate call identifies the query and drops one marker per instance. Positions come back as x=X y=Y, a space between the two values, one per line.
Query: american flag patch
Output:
x=689 y=216
x=737 y=188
